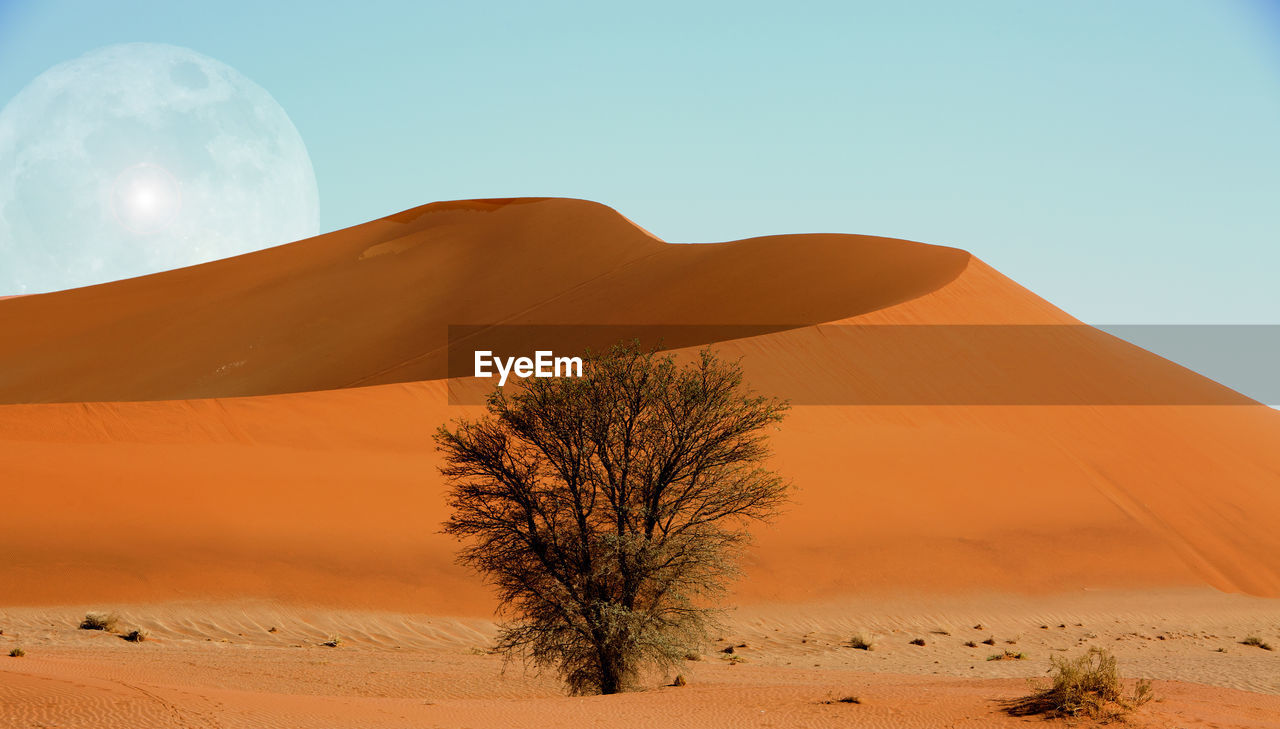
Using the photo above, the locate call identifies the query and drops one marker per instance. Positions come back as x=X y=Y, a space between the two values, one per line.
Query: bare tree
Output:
x=608 y=509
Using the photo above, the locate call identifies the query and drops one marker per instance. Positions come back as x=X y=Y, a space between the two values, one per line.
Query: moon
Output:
x=144 y=157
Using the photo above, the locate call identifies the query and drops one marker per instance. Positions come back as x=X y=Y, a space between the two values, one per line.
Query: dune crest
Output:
x=372 y=304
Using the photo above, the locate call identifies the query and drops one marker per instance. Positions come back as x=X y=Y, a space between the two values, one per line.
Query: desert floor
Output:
x=258 y=664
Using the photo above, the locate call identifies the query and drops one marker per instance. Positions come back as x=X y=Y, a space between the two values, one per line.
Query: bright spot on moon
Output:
x=146 y=199
x=143 y=157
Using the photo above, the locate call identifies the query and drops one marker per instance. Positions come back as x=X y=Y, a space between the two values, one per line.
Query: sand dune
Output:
x=372 y=304
x=331 y=495
x=246 y=444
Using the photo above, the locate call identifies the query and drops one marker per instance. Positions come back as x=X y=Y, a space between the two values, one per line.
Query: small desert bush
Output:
x=137 y=636
x=17 y=652
x=1086 y=686
x=844 y=700
x=1256 y=642
x=990 y=641
x=1006 y=656
x=99 y=621
x=917 y=641
x=333 y=642
x=970 y=644
x=861 y=642
x=679 y=680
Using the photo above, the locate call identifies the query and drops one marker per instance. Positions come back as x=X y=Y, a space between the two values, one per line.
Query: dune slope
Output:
x=238 y=459
x=372 y=304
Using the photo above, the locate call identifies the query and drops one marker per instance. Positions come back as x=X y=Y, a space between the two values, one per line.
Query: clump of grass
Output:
x=917 y=641
x=17 y=652
x=844 y=700
x=970 y=644
x=99 y=621
x=1006 y=656
x=137 y=636
x=990 y=641
x=693 y=656
x=333 y=642
x=861 y=642
x=1086 y=686
x=679 y=680
x=1256 y=642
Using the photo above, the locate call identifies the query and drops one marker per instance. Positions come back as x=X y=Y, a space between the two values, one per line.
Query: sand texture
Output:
x=212 y=449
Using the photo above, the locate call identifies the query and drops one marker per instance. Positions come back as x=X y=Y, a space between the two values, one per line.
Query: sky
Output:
x=1120 y=159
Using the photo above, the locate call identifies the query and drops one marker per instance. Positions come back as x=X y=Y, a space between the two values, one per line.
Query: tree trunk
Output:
x=611 y=671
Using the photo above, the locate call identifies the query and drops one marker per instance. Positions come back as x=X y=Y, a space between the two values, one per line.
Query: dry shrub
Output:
x=844 y=700
x=1256 y=642
x=1086 y=686
x=17 y=652
x=137 y=636
x=861 y=642
x=99 y=621
x=917 y=641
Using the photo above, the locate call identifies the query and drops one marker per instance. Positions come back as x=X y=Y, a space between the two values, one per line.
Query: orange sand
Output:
x=259 y=427
x=332 y=495
x=208 y=665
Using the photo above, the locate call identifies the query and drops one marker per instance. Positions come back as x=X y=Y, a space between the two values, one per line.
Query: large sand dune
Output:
x=282 y=480
x=372 y=304
x=238 y=457
x=332 y=495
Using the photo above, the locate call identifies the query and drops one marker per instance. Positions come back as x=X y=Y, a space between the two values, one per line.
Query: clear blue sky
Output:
x=1121 y=159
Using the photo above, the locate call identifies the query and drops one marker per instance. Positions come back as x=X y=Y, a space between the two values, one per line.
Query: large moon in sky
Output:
x=142 y=157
